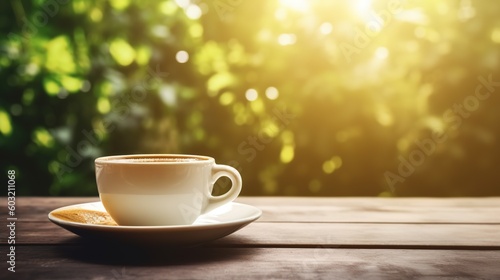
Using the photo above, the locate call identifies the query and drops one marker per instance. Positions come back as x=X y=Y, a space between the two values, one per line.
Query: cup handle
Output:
x=218 y=171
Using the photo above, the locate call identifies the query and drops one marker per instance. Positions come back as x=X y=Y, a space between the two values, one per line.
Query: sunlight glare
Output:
x=287 y=39
x=183 y=3
x=280 y=14
x=363 y=8
x=326 y=28
x=297 y=5
x=381 y=53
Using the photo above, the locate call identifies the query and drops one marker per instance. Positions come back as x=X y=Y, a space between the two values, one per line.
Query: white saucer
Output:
x=208 y=227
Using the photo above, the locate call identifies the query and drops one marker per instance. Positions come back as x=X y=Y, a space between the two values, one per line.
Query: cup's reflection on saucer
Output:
x=161 y=189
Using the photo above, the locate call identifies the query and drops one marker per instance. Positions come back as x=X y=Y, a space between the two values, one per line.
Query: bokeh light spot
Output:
x=96 y=15
x=193 y=12
x=122 y=52
x=287 y=39
x=103 y=105
x=43 y=138
x=5 y=126
x=226 y=98
x=251 y=94
x=257 y=106
x=168 y=8
x=182 y=56
x=325 y=28
x=272 y=93
x=287 y=153
x=331 y=165
x=50 y=86
x=196 y=30
x=381 y=53
x=495 y=35
x=297 y=5
x=183 y=3
x=120 y=4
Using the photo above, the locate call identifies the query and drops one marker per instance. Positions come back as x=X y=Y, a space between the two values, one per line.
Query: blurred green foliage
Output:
x=303 y=97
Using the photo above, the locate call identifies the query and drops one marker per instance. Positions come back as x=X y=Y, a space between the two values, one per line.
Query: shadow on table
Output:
x=91 y=251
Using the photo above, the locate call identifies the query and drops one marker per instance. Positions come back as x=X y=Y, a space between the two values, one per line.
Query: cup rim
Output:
x=199 y=159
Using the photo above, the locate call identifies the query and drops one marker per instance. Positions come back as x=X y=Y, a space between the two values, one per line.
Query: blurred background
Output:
x=310 y=98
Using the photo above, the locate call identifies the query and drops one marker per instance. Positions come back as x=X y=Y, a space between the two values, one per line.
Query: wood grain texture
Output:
x=296 y=238
x=282 y=223
x=95 y=262
x=347 y=210
x=313 y=234
x=379 y=210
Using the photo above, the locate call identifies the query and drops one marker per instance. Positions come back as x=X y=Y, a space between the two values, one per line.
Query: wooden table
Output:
x=296 y=238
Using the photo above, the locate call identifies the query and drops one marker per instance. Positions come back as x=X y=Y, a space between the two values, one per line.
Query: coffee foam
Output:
x=84 y=216
x=158 y=159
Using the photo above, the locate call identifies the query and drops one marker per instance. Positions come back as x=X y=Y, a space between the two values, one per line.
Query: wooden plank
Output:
x=380 y=214
x=355 y=210
x=418 y=202
x=289 y=242
x=378 y=210
x=265 y=234
x=313 y=234
x=98 y=262
x=367 y=235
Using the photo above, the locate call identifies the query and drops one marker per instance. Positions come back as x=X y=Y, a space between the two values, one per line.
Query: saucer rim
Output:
x=244 y=220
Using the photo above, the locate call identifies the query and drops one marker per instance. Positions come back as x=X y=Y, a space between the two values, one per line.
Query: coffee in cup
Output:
x=161 y=189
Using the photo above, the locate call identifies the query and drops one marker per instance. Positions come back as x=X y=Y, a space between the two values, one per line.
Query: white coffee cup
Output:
x=161 y=189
